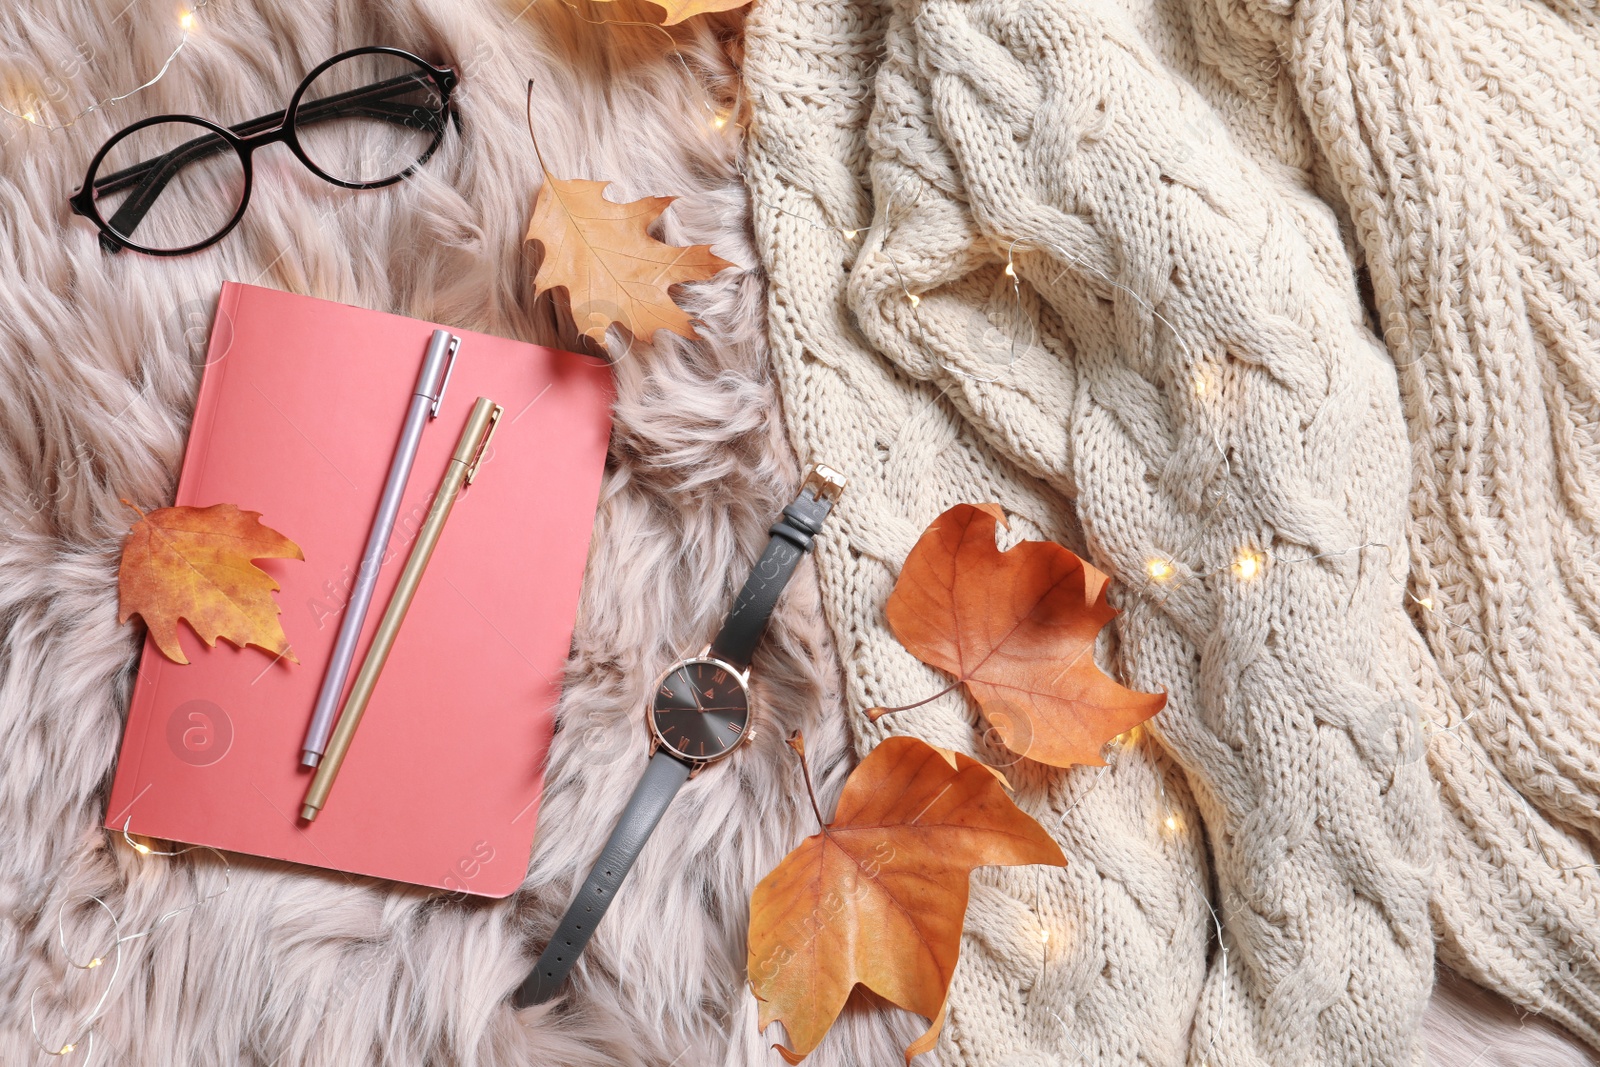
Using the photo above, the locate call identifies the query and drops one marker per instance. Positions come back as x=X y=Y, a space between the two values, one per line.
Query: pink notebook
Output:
x=298 y=416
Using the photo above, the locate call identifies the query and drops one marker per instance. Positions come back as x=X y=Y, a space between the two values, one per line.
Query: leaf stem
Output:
x=874 y=714
x=533 y=136
x=797 y=742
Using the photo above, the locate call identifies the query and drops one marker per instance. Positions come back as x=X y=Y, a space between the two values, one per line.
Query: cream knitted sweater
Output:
x=1300 y=342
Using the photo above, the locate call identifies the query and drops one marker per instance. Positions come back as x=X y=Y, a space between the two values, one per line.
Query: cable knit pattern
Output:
x=1463 y=137
x=1181 y=371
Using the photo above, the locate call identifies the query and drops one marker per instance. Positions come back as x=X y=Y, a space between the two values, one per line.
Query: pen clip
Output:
x=450 y=368
x=483 y=446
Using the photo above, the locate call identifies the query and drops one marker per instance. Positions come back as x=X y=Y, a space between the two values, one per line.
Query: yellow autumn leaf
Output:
x=196 y=564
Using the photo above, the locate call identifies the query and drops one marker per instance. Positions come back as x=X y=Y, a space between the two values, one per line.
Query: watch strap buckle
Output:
x=824 y=482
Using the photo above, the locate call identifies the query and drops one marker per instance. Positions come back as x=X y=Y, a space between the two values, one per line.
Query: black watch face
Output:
x=700 y=709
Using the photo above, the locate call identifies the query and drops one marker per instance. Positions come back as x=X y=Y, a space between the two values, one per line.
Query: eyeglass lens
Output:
x=369 y=118
x=173 y=183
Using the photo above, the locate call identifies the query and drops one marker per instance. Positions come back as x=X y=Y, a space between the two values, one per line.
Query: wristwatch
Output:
x=698 y=713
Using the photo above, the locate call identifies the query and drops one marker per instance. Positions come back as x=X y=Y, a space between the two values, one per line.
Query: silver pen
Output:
x=437 y=366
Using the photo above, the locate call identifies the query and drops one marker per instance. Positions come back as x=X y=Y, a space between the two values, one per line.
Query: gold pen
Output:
x=462 y=469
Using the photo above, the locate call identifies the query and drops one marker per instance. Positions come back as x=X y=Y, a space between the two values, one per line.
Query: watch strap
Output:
x=664 y=775
x=791 y=538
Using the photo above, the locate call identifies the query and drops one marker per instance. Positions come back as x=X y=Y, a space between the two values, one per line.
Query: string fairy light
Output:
x=720 y=118
x=188 y=22
x=1174 y=826
x=850 y=233
x=85 y=1031
x=1247 y=565
x=1170 y=821
x=1429 y=726
x=1016 y=296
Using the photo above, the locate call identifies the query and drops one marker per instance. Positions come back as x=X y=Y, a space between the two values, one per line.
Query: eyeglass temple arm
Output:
x=152 y=175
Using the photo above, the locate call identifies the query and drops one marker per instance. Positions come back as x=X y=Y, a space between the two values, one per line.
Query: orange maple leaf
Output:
x=195 y=564
x=1017 y=628
x=878 y=898
x=612 y=269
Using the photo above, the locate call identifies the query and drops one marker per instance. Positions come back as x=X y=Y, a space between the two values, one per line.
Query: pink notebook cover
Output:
x=299 y=412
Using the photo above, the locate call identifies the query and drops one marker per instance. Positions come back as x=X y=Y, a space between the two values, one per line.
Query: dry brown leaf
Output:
x=611 y=268
x=678 y=10
x=1017 y=628
x=195 y=564
x=878 y=898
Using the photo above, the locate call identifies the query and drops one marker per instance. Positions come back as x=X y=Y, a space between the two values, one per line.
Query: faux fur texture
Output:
x=296 y=966
x=1468 y=1026
x=98 y=369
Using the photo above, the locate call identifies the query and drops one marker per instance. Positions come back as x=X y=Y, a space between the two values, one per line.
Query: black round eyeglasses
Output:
x=364 y=119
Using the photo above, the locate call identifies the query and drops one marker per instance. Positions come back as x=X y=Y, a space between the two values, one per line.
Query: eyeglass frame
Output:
x=244 y=138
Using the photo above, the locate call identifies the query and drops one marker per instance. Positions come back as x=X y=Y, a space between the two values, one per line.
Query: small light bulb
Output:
x=1044 y=937
x=720 y=121
x=1427 y=603
x=1159 y=569
x=1247 y=566
x=68 y=1047
x=1201 y=386
x=1011 y=270
x=186 y=21
x=850 y=235
x=141 y=848
x=97 y=961
x=1172 y=823
x=915 y=299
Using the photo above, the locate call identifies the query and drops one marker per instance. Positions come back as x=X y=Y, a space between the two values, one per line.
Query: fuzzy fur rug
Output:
x=99 y=361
